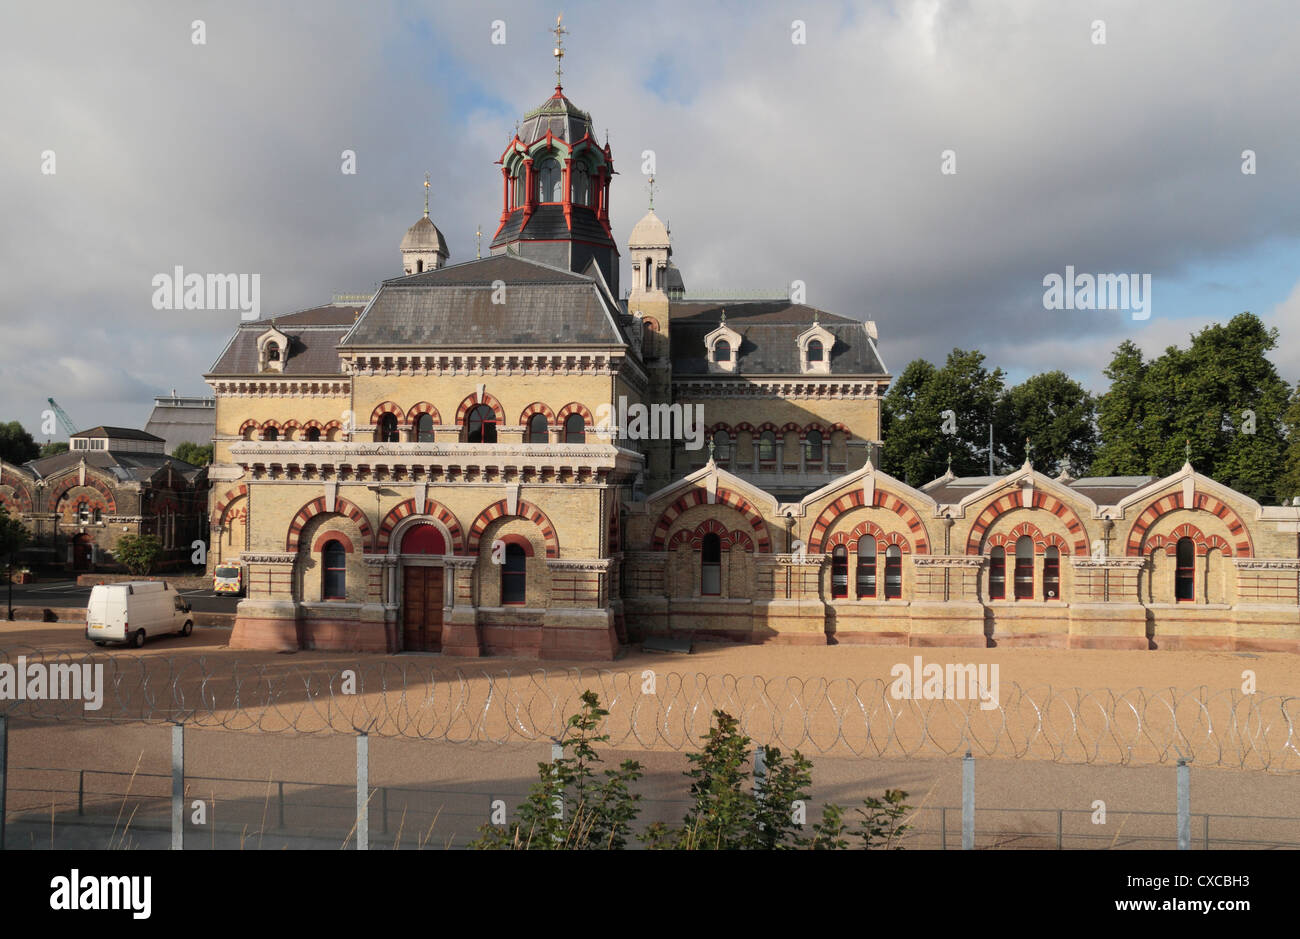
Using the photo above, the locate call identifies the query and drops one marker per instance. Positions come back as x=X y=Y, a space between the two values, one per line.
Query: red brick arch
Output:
x=1204 y=543
x=472 y=400
x=727 y=539
x=573 y=407
x=247 y=426
x=424 y=407
x=1242 y=546
x=881 y=500
x=313 y=425
x=232 y=495
x=71 y=482
x=745 y=426
x=431 y=508
x=537 y=407
x=1042 y=542
x=883 y=539
x=317 y=507
x=328 y=534
x=22 y=494
x=388 y=407
x=289 y=426
x=1041 y=500
x=525 y=510
x=837 y=426
x=725 y=497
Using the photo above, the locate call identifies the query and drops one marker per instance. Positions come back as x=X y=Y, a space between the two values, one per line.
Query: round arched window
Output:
x=481 y=425
x=722 y=351
x=815 y=350
x=575 y=429
x=549 y=178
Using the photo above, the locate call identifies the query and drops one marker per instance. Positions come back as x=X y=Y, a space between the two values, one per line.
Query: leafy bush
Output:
x=138 y=553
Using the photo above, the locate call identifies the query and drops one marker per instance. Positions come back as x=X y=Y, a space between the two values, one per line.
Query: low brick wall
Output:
x=183 y=581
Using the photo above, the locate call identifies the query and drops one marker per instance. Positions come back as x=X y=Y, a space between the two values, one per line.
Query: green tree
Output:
x=138 y=553
x=570 y=807
x=16 y=445
x=54 y=448
x=193 y=453
x=1288 y=486
x=1056 y=414
x=1121 y=416
x=919 y=436
x=13 y=538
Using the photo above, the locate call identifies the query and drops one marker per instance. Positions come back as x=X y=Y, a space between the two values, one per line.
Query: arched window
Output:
x=711 y=565
x=272 y=352
x=893 y=573
x=649 y=265
x=481 y=425
x=334 y=571
x=518 y=191
x=419 y=265
x=1052 y=574
x=514 y=576
x=538 y=432
x=549 y=179
x=812 y=446
x=767 y=446
x=1185 y=571
x=424 y=428
x=721 y=446
x=866 y=567
x=722 y=351
x=99 y=515
x=313 y=434
x=840 y=572
x=388 y=428
x=575 y=429
x=1024 y=568
x=998 y=574
x=83 y=513
x=581 y=188
x=270 y=434
x=814 y=350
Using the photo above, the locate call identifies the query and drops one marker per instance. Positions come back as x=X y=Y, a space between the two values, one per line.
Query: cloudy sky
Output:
x=776 y=160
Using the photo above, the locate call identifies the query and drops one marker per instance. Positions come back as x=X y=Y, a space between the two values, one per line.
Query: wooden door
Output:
x=81 y=553
x=422 y=609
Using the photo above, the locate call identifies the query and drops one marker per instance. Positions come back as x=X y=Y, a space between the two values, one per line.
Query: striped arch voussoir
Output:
x=424 y=407
x=473 y=400
x=317 y=507
x=1077 y=542
x=574 y=407
x=537 y=407
x=22 y=497
x=432 y=509
x=388 y=407
x=711 y=526
x=219 y=510
x=725 y=497
x=70 y=483
x=1203 y=543
x=883 y=500
x=882 y=538
x=1240 y=546
x=526 y=510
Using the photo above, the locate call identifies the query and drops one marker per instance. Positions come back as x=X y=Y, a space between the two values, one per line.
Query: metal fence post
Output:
x=1207 y=831
x=943 y=829
x=281 y=804
x=760 y=771
x=557 y=754
x=1060 y=819
x=968 y=802
x=178 y=787
x=4 y=781
x=81 y=792
x=363 y=792
x=383 y=809
x=1184 y=806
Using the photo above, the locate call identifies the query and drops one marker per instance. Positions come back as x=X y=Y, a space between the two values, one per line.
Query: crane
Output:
x=66 y=421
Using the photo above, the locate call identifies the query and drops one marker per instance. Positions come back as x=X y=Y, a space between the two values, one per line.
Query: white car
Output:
x=134 y=610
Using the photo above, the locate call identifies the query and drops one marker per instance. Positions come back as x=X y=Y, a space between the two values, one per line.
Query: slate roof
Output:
x=313 y=341
x=547 y=223
x=177 y=425
x=560 y=116
x=453 y=307
x=119 y=433
x=769 y=330
x=127 y=467
x=1103 y=490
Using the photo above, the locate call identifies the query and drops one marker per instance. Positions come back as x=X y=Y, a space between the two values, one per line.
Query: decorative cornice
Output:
x=1118 y=562
x=268 y=558
x=947 y=560
x=580 y=564
x=794 y=388
x=280 y=388
x=1267 y=564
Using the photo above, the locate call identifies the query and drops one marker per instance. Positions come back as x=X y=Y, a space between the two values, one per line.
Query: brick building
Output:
x=433 y=469
x=112 y=481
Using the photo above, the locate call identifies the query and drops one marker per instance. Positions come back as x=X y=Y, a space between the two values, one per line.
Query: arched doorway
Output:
x=82 y=552
x=422 y=548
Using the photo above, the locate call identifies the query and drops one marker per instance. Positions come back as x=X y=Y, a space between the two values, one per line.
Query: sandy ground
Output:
x=437 y=792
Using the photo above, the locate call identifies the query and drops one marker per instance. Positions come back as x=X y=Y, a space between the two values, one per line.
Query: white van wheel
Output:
x=187 y=628
x=137 y=639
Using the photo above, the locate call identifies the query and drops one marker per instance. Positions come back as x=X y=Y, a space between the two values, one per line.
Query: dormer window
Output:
x=722 y=348
x=722 y=351
x=815 y=346
x=272 y=351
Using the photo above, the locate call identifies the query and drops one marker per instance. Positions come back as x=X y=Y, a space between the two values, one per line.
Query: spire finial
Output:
x=724 y=316
x=652 y=192
x=949 y=462
x=712 y=447
x=1187 y=450
x=426 y=195
x=560 y=33
x=478 y=241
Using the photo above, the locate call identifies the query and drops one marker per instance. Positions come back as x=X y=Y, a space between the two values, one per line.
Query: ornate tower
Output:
x=555 y=189
x=423 y=247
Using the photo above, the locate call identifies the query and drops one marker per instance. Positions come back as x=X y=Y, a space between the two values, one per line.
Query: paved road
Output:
x=67 y=593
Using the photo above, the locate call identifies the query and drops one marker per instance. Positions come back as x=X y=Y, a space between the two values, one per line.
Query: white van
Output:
x=132 y=610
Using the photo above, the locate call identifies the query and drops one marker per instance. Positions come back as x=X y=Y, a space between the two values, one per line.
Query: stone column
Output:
x=460 y=631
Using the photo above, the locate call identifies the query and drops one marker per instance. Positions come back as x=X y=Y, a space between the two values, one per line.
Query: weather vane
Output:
x=652 y=192
x=478 y=241
x=560 y=33
x=426 y=195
